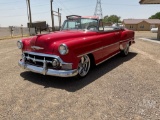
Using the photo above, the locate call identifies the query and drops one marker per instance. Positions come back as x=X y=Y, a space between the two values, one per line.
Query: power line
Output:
x=81 y=7
x=11 y=2
x=24 y=7
x=67 y=1
x=24 y=15
x=63 y=6
x=126 y=5
x=120 y=4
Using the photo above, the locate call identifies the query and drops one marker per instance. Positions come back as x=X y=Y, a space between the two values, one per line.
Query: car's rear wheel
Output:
x=84 y=66
x=126 y=50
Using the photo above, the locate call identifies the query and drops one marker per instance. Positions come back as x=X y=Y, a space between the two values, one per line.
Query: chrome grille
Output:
x=44 y=61
x=38 y=60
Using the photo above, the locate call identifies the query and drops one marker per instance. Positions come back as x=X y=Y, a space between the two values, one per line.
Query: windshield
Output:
x=80 y=24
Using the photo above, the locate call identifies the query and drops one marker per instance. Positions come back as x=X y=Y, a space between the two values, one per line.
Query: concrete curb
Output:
x=150 y=40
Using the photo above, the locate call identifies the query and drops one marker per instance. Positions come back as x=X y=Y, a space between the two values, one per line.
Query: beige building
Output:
x=141 y=24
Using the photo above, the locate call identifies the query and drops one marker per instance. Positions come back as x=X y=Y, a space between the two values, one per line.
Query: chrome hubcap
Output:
x=126 y=51
x=84 y=66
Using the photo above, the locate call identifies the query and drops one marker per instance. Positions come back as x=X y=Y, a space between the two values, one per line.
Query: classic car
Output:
x=81 y=42
x=154 y=30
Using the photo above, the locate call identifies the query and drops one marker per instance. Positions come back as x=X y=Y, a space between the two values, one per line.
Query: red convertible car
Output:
x=82 y=41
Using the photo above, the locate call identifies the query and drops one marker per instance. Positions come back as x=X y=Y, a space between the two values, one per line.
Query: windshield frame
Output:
x=97 y=24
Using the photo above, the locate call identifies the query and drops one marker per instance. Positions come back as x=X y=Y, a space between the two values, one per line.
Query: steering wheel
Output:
x=92 y=27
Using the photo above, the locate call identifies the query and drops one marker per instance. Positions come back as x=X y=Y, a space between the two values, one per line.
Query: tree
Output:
x=156 y=16
x=112 y=19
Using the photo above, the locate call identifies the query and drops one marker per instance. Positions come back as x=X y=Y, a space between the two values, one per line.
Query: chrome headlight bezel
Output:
x=63 y=49
x=55 y=63
x=20 y=44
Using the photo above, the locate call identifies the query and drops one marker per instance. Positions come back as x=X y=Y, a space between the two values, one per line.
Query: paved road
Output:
x=122 y=88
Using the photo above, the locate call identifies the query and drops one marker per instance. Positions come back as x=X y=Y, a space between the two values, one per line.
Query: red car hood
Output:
x=44 y=43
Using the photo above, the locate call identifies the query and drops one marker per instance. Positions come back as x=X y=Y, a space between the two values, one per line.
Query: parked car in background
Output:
x=81 y=43
x=154 y=30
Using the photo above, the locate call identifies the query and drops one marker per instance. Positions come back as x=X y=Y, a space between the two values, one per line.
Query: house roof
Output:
x=149 y=2
x=136 y=21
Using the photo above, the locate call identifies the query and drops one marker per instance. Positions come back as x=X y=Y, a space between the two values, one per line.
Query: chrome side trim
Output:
x=90 y=52
x=111 y=45
x=107 y=58
x=44 y=71
x=106 y=46
x=127 y=39
x=98 y=49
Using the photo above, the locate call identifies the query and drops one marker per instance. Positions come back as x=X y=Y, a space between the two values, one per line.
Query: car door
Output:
x=110 y=41
x=116 y=45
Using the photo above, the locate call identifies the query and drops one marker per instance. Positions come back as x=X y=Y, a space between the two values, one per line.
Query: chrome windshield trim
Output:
x=62 y=28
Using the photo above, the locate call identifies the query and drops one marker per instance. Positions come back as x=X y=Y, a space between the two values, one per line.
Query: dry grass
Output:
x=14 y=37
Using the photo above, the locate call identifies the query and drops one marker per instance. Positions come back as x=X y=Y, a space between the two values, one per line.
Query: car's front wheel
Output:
x=84 y=66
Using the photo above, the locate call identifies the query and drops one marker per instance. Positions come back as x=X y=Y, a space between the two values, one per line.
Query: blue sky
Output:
x=14 y=13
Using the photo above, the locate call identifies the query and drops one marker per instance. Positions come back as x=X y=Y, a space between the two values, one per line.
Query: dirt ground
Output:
x=146 y=34
x=122 y=88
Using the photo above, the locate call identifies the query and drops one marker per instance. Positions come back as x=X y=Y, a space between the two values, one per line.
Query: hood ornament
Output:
x=37 y=48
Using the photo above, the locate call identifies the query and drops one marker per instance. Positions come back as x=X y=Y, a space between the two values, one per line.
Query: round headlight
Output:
x=20 y=44
x=63 y=49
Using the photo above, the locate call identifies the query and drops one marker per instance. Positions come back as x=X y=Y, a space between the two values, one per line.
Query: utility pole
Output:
x=29 y=16
x=59 y=18
x=58 y=14
x=30 y=11
x=52 y=17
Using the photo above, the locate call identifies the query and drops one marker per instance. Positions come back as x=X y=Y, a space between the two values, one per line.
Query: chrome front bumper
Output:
x=66 y=72
x=58 y=73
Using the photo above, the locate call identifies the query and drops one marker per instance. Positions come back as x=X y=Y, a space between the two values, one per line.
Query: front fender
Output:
x=79 y=47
